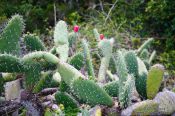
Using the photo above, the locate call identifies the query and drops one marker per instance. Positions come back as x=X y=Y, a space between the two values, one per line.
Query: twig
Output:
x=110 y=11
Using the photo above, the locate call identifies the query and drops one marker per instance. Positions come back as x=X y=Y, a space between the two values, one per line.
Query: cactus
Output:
x=145 y=45
x=148 y=107
x=144 y=55
x=106 y=48
x=9 y=38
x=153 y=54
x=61 y=40
x=90 y=93
x=65 y=99
x=154 y=79
x=77 y=60
x=10 y=64
x=126 y=81
x=72 y=38
x=33 y=43
x=166 y=101
x=64 y=87
x=141 y=78
x=131 y=62
x=87 y=56
x=96 y=34
x=112 y=88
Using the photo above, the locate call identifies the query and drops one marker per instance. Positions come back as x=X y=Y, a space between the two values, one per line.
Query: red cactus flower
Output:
x=76 y=28
x=101 y=36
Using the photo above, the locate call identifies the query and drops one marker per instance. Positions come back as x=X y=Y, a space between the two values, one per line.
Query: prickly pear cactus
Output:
x=96 y=34
x=131 y=62
x=77 y=60
x=106 y=48
x=88 y=58
x=148 y=107
x=145 y=45
x=33 y=43
x=144 y=55
x=61 y=40
x=154 y=79
x=166 y=101
x=112 y=88
x=141 y=78
x=90 y=93
x=153 y=55
x=65 y=99
x=9 y=38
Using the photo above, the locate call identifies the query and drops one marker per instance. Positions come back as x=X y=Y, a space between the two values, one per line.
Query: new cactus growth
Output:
x=154 y=80
x=88 y=58
x=91 y=93
x=153 y=54
x=9 y=38
x=106 y=48
x=145 y=45
x=144 y=55
x=61 y=40
x=33 y=43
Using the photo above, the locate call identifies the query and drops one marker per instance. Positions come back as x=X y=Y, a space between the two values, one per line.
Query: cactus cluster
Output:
x=42 y=68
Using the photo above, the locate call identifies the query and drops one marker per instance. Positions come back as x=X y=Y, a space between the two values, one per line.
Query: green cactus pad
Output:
x=9 y=38
x=140 y=81
x=145 y=45
x=77 y=60
x=144 y=55
x=131 y=62
x=33 y=43
x=96 y=34
x=91 y=93
x=65 y=99
x=68 y=72
x=153 y=55
x=154 y=79
x=64 y=87
x=88 y=58
x=10 y=64
x=72 y=38
x=112 y=88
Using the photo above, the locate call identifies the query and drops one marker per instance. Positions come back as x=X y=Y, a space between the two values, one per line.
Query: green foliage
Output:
x=33 y=43
x=64 y=87
x=88 y=58
x=154 y=79
x=9 y=38
x=112 y=88
x=91 y=93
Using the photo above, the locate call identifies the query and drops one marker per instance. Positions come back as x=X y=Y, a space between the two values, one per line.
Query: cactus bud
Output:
x=76 y=28
x=101 y=36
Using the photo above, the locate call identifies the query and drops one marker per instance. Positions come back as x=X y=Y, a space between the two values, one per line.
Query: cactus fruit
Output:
x=145 y=45
x=90 y=92
x=106 y=48
x=148 y=107
x=76 y=28
x=154 y=80
x=141 y=78
x=10 y=64
x=166 y=101
x=88 y=58
x=9 y=38
x=131 y=62
x=61 y=40
x=77 y=60
x=101 y=36
x=33 y=43
x=112 y=88
x=65 y=99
